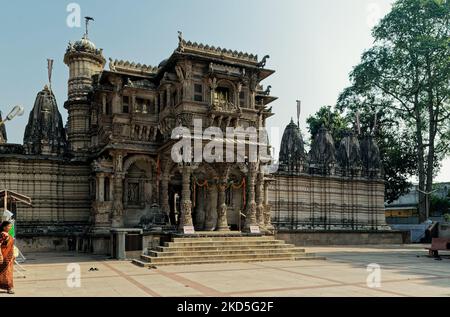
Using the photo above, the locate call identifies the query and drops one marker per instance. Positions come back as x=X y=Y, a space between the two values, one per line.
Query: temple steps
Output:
x=242 y=247
x=222 y=249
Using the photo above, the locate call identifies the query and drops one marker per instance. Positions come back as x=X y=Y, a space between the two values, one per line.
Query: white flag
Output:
x=299 y=108
x=50 y=70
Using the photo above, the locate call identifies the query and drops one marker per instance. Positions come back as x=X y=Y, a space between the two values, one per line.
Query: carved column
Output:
x=161 y=100
x=118 y=178
x=260 y=200
x=200 y=209
x=267 y=207
x=211 y=208
x=222 y=222
x=186 y=203
x=104 y=111
x=165 y=207
x=133 y=104
x=101 y=187
x=118 y=203
x=251 y=205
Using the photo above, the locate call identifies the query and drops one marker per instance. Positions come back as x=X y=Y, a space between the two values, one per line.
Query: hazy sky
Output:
x=313 y=44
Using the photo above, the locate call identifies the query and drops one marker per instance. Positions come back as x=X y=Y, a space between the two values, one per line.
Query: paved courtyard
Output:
x=405 y=271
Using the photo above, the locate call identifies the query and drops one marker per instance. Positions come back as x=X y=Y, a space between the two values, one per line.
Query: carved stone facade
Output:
x=115 y=152
x=111 y=166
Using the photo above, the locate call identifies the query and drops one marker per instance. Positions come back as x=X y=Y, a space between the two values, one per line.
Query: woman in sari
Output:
x=6 y=258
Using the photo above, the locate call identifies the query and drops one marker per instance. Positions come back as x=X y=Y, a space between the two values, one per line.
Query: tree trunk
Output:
x=420 y=161
x=432 y=131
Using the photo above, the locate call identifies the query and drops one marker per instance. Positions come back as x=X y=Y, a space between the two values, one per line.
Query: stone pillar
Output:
x=186 y=203
x=120 y=247
x=250 y=219
x=200 y=209
x=252 y=99
x=104 y=111
x=133 y=104
x=118 y=178
x=111 y=188
x=260 y=200
x=267 y=208
x=101 y=187
x=161 y=99
x=165 y=207
x=222 y=222
x=118 y=200
x=211 y=208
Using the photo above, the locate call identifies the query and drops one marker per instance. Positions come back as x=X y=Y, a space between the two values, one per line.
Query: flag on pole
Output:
x=299 y=109
x=50 y=70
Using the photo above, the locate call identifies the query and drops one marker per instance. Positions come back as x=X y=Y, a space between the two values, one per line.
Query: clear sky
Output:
x=313 y=44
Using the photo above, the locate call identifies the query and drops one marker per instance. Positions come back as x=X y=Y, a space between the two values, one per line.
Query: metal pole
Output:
x=5 y=201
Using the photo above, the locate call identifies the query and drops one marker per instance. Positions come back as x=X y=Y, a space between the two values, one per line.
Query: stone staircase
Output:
x=222 y=249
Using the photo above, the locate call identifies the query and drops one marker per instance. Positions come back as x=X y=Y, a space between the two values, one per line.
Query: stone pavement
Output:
x=405 y=271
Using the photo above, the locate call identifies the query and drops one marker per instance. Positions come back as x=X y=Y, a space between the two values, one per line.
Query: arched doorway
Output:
x=140 y=188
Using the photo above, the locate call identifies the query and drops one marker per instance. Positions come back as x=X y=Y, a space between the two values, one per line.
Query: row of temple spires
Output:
x=351 y=155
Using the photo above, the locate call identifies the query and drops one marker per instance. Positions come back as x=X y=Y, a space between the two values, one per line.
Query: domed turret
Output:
x=349 y=153
x=45 y=133
x=84 y=61
x=85 y=45
x=322 y=149
x=292 y=150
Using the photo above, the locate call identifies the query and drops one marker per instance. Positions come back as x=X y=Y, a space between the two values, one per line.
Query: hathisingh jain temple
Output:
x=105 y=183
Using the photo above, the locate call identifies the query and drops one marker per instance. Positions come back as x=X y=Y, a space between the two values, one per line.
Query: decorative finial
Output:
x=263 y=62
x=50 y=71
x=180 y=41
x=88 y=19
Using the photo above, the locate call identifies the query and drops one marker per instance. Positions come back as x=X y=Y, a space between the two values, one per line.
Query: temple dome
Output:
x=349 y=152
x=84 y=44
x=370 y=153
x=292 y=149
x=322 y=149
x=45 y=133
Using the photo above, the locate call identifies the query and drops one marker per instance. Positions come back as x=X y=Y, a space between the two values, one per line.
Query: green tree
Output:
x=406 y=75
x=332 y=119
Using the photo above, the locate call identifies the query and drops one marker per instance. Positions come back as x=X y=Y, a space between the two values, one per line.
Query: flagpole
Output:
x=299 y=107
x=50 y=70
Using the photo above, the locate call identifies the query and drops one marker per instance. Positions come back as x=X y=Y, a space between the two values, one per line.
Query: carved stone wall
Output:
x=59 y=190
x=327 y=203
